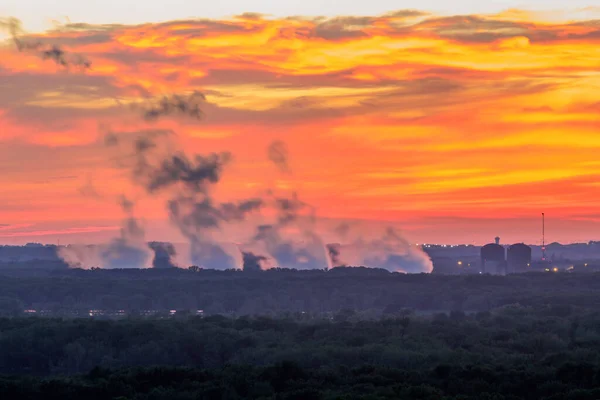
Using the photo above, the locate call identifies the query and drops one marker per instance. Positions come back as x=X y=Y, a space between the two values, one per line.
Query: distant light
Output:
x=547 y=269
x=555 y=269
x=529 y=265
x=460 y=263
x=585 y=264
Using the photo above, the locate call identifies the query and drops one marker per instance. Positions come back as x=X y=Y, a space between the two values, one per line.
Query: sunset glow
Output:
x=450 y=127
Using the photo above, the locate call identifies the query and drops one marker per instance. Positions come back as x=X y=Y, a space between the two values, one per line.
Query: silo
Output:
x=493 y=259
x=518 y=257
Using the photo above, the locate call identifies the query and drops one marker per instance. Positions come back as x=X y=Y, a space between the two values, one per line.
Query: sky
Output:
x=455 y=128
x=38 y=14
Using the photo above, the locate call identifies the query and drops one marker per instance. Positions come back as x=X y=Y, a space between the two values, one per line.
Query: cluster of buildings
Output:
x=514 y=259
x=497 y=260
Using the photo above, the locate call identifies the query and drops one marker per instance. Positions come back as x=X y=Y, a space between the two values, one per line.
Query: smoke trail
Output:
x=253 y=262
x=195 y=176
x=173 y=105
x=342 y=230
x=391 y=251
x=163 y=255
x=14 y=28
x=334 y=250
x=197 y=218
x=129 y=250
x=291 y=241
x=278 y=154
x=81 y=256
x=188 y=184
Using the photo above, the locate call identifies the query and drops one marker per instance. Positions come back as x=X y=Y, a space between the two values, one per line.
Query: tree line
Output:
x=512 y=352
x=276 y=292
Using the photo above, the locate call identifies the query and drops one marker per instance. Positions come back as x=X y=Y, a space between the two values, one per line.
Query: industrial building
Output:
x=518 y=258
x=496 y=260
x=493 y=259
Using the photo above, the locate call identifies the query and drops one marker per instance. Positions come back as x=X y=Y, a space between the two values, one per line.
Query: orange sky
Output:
x=458 y=129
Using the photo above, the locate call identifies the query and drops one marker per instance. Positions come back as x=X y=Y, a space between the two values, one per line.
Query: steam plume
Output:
x=253 y=262
x=163 y=255
x=188 y=183
x=173 y=105
x=342 y=230
x=53 y=52
x=334 y=250
x=278 y=154
x=391 y=251
x=291 y=241
x=129 y=250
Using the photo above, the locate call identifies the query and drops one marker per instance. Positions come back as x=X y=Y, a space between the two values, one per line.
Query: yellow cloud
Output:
x=403 y=111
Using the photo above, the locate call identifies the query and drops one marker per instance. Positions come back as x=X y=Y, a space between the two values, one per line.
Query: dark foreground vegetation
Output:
x=368 y=291
x=339 y=334
x=512 y=352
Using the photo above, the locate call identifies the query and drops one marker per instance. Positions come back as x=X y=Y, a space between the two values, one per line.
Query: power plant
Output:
x=518 y=258
x=493 y=260
x=496 y=260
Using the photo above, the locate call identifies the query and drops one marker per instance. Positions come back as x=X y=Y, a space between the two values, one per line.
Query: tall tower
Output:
x=543 y=238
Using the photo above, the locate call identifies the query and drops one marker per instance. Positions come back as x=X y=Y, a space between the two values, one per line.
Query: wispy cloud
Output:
x=57 y=232
x=402 y=111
